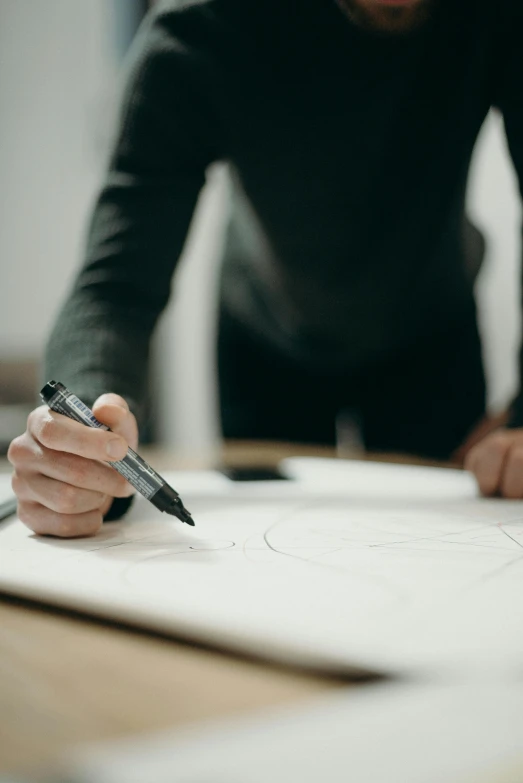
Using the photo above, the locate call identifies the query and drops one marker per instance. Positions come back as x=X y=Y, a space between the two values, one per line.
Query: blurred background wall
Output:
x=494 y=204
x=60 y=63
x=59 y=66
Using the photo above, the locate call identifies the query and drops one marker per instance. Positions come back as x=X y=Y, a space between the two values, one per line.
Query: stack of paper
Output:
x=346 y=567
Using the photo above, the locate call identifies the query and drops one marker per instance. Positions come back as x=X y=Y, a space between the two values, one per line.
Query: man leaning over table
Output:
x=350 y=263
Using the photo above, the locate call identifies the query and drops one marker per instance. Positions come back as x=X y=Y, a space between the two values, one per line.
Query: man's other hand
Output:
x=497 y=463
x=60 y=479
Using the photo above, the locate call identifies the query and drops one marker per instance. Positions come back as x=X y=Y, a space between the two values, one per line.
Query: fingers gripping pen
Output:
x=132 y=467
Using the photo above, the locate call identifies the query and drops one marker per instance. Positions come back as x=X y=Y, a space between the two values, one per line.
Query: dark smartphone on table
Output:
x=254 y=473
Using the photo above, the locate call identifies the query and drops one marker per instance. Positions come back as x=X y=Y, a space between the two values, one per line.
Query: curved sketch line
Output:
x=386 y=583
x=502 y=528
x=442 y=542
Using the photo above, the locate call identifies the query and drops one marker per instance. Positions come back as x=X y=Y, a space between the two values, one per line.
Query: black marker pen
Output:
x=132 y=467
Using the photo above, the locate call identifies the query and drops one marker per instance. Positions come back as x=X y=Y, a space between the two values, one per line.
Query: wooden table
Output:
x=66 y=679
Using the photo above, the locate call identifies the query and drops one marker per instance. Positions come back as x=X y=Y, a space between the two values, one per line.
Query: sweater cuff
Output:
x=120 y=506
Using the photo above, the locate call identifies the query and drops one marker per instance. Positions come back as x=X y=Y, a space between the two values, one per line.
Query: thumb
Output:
x=113 y=411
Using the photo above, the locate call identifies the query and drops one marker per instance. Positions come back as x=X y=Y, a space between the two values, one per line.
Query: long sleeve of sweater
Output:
x=166 y=137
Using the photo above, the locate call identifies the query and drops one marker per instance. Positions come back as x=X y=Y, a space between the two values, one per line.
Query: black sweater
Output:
x=349 y=151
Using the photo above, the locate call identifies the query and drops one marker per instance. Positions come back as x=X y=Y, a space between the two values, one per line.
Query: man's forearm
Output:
x=97 y=347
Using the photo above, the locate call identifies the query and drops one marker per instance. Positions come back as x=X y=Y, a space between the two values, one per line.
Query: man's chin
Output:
x=386 y=19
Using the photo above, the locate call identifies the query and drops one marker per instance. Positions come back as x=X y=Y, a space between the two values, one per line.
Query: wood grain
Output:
x=66 y=680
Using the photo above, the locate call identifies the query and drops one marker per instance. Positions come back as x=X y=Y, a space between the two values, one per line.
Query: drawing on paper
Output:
x=399 y=547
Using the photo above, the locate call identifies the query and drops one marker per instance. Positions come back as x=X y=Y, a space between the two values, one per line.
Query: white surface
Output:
x=185 y=345
x=378 y=567
x=380 y=734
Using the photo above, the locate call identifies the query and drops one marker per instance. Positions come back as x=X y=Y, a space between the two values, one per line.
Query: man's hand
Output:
x=62 y=485
x=497 y=463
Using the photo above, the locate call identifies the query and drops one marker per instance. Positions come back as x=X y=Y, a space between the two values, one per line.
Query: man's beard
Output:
x=388 y=20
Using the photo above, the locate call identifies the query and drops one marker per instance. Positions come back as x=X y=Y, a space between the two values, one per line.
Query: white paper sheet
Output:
x=380 y=734
x=350 y=566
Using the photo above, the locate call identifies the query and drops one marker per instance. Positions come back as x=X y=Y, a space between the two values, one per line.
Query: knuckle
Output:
x=475 y=465
x=66 y=527
x=26 y=514
x=76 y=470
x=105 y=505
x=486 y=484
x=481 y=476
x=34 y=418
x=17 y=484
x=19 y=450
x=67 y=501
x=46 y=432
x=486 y=479
x=71 y=527
x=16 y=450
x=497 y=443
x=94 y=525
x=23 y=514
x=516 y=457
